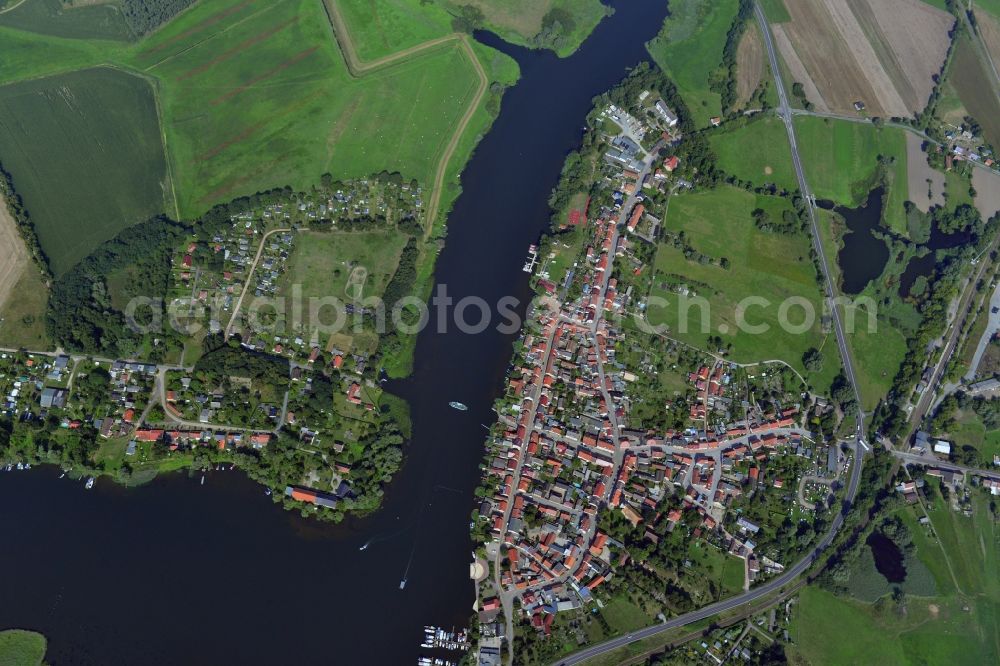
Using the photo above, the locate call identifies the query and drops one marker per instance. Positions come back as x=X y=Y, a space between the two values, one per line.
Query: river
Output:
x=178 y=572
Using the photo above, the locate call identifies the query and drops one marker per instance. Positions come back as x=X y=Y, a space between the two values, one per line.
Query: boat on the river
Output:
x=90 y=483
x=402 y=584
x=457 y=405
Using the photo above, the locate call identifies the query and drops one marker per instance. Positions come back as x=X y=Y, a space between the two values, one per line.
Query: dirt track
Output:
x=13 y=255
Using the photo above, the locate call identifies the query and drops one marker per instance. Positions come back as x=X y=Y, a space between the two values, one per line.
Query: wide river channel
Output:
x=176 y=572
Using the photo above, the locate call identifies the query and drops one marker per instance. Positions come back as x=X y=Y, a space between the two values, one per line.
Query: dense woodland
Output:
x=144 y=16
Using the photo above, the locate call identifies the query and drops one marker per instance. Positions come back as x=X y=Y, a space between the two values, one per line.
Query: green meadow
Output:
x=252 y=94
x=773 y=266
x=757 y=153
x=382 y=27
x=689 y=47
x=960 y=625
x=841 y=162
x=85 y=152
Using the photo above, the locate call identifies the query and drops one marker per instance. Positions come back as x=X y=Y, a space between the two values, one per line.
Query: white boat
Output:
x=402 y=584
x=454 y=404
x=90 y=483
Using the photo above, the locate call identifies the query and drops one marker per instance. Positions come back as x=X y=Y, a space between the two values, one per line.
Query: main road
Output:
x=790 y=574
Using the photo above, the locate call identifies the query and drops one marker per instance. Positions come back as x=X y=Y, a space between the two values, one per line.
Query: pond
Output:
x=889 y=560
x=863 y=256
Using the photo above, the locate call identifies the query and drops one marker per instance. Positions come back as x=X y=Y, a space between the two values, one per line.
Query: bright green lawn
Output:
x=773 y=266
x=758 y=153
x=21 y=648
x=969 y=430
x=689 y=48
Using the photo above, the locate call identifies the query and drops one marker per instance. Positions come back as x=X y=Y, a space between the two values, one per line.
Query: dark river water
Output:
x=181 y=573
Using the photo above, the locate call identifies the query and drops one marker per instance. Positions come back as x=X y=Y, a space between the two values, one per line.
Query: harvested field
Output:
x=882 y=52
x=750 y=65
x=13 y=255
x=926 y=185
x=987 y=185
x=797 y=70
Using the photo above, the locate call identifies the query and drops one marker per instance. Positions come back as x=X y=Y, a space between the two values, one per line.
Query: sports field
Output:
x=758 y=153
x=86 y=156
x=689 y=48
x=766 y=265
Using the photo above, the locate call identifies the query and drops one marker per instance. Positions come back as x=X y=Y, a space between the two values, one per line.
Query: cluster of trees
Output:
x=723 y=79
x=81 y=312
x=232 y=360
x=890 y=416
x=15 y=206
x=790 y=222
x=799 y=93
x=143 y=16
x=557 y=25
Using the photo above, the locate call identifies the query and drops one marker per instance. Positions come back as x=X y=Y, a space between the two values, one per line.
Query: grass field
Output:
x=970 y=81
x=689 y=48
x=758 y=153
x=776 y=11
x=21 y=648
x=841 y=161
x=961 y=625
x=305 y=110
x=22 y=320
x=383 y=27
x=52 y=17
x=322 y=263
x=347 y=266
x=86 y=155
x=774 y=266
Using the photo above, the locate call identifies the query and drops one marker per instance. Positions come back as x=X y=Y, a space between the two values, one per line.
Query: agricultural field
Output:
x=757 y=152
x=718 y=224
x=988 y=21
x=305 y=112
x=841 y=162
x=689 y=48
x=987 y=186
x=882 y=52
x=751 y=64
x=926 y=186
x=58 y=19
x=86 y=156
x=972 y=85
